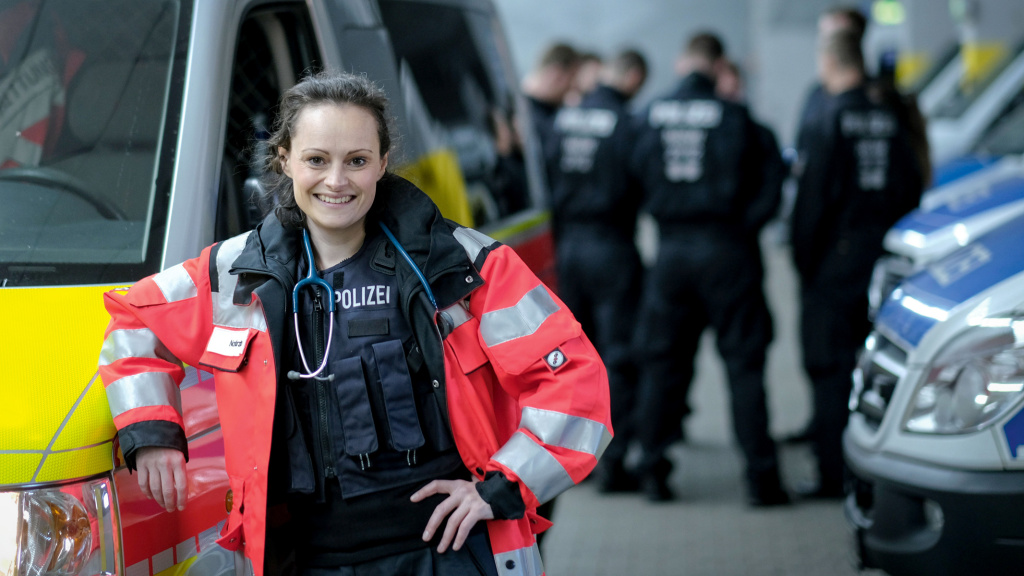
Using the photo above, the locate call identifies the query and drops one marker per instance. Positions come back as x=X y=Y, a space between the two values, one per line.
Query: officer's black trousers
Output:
x=702 y=279
x=833 y=325
x=599 y=276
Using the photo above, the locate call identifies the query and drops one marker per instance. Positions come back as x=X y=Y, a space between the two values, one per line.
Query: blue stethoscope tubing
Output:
x=314 y=279
x=311 y=280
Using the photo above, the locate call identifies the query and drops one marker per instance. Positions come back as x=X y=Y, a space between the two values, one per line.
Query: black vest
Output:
x=372 y=422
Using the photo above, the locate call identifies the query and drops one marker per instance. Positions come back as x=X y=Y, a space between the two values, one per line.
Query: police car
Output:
x=974 y=194
x=935 y=441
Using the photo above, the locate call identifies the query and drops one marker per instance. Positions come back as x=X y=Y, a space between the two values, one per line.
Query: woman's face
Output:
x=334 y=164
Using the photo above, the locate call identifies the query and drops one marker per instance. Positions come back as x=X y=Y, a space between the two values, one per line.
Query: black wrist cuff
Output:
x=503 y=496
x=150 y=434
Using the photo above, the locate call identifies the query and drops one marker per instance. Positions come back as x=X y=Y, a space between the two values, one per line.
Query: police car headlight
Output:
x=978 y=378
x=66 y=530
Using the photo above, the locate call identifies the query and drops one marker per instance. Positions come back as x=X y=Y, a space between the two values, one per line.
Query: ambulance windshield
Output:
x=89 y=104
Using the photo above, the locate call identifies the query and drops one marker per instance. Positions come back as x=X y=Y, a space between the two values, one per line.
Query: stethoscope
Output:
x=313 y=280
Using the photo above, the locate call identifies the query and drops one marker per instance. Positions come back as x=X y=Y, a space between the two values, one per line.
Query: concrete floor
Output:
x=710 y=530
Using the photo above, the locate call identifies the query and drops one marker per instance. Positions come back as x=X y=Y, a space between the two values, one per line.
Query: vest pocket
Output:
x=399 y=400
x=354 y=407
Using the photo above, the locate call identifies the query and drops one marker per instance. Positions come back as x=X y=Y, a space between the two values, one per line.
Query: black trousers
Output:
x=473 y=559
x=700 y=280
x=833 y=325
x=599 y=279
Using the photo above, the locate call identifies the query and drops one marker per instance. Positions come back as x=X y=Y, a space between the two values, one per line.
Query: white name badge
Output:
x=227 y=342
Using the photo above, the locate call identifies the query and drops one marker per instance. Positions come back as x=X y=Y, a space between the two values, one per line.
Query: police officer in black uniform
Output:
x=857 y=175
x=545 y=89
x=830 y=21
x=697 y=156
x=595 y=207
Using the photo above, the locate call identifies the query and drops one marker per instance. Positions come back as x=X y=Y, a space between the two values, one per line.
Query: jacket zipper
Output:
x=320 y=387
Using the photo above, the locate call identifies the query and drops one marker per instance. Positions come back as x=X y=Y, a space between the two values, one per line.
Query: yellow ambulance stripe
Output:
x=49 y=345
x=439 y=175
x=910 y=67
x=980 y=60
x=76 y=463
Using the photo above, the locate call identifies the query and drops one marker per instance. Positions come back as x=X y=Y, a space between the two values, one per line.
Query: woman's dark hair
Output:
x=314 y=90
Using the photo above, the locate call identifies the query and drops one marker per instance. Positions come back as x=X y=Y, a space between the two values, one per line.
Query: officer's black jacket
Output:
x=593 y=186
x=815 y=104
x=858 y=177
x=542 y=117
x=699 y=161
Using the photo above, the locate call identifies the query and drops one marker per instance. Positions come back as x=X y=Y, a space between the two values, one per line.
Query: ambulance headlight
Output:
x=978 y=378
x=67 y=530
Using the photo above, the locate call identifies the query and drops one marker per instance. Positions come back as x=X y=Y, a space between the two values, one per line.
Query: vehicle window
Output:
x=936 y=67
x=90 y=96
x=957 y=101
x=453 y=77
x=274 y=48
x=1006 y=136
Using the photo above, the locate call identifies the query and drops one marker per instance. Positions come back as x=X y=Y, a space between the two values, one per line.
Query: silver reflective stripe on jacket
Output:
x=225 y=312
x=536 y=467
x=175 y=284
x=572 y=432
x=142 y=390
x=521 y=562
x=523 y=319
x=472 y=241
x=133 y=343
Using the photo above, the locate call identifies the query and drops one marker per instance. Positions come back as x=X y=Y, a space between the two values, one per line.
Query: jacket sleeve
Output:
x=155 y=326
x=764 y=205
x=547 y=365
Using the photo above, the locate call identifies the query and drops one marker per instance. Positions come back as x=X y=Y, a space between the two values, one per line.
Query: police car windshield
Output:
x=958 y=101
x=86 y=99
x=1006 y=136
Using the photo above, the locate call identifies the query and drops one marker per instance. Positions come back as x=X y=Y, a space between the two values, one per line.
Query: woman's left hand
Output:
x=463 y=503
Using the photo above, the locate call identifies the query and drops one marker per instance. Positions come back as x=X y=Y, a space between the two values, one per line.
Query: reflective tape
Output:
x=176 y=284
x=521 y=562
x=142 y=390
x=225 y=312
x=523 y=319
x=135 y=343
x=565 y=431
x=473 y=242
x=535 y=466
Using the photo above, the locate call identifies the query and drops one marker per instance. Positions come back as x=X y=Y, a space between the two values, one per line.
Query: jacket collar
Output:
x=696 y=84
x=427 y=237
x=605 y=96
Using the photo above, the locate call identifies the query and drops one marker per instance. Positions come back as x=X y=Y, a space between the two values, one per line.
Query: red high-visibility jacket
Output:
x=523 y=388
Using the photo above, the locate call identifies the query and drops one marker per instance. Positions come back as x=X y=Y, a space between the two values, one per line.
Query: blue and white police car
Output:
x=950 y=216
x=935 y=441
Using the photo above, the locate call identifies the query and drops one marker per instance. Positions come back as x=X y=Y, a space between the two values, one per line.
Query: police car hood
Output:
x=960 y=167
x=956 y=213
x=55 y=423
x=932 y=295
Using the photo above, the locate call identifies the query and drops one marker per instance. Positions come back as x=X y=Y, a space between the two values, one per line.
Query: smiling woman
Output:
x=436 y=418
x=334 y=162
